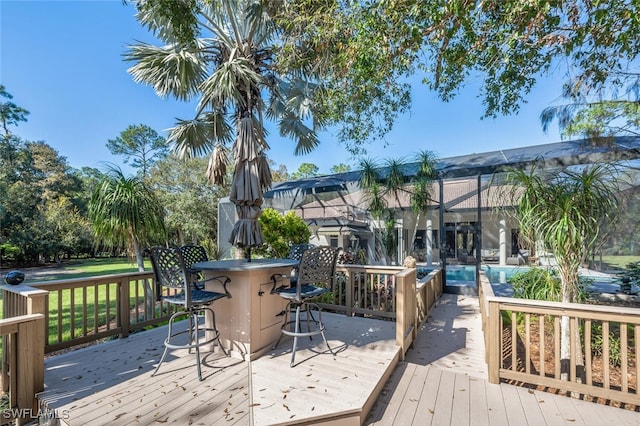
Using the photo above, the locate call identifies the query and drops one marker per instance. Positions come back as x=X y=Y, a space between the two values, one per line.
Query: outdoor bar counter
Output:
x=249 y=322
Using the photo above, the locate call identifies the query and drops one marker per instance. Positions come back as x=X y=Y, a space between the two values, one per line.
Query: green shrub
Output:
x=537 y=284
x=280 y=232
x=631 y=274
x=544 y=284
x=597 y=344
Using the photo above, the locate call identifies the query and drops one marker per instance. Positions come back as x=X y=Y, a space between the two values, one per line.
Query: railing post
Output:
x=494 y=342
x=21 y=300
x=348 y=292
x=30 y=362
x=124 y=313
x=406 y=307
x=25 y=346
x=401 y=316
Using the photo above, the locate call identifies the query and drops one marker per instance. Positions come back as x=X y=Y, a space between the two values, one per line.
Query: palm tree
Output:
x=421 y=196
x=125 y=213
x=379 y=184
x=566 y=211
x=223 y=53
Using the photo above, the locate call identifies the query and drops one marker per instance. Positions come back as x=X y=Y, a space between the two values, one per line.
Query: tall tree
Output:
x=279 y=174
x=506 y=45
x=567 y=211
x=340 y=168
x=141 y=145
x=126 y=213
x=190 y=201
x=37 y=185
x=357 y=50
x=421 y=186
x=305 y=170
x=223 y=54
x=10 y=113
x=383 y=187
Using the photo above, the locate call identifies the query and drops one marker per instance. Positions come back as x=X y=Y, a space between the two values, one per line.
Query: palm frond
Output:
x=217 y=166
x=306 y=139
x=123 y=208
x=396 y=178
x=426 y=164
x=370 y=173
x=170 y=70
x=193 y=138
x=229 y=84
x=299 y=98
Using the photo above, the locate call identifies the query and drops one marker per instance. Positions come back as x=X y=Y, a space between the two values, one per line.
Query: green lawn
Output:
x=617 y=262
x=91 y=268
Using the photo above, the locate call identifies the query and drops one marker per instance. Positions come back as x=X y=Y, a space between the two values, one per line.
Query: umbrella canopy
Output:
x=251 y=178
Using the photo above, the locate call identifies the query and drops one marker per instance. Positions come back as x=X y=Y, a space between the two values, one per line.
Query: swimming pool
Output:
x=460 y=275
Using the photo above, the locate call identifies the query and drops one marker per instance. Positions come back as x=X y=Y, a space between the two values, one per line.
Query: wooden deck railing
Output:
x=23 y=336
x=522 y=343
x=81 y=310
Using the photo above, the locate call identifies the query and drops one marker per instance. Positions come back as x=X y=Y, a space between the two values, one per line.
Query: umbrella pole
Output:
x=248 y=254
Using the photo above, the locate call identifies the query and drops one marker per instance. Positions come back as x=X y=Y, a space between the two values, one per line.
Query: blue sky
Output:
x=62 y=61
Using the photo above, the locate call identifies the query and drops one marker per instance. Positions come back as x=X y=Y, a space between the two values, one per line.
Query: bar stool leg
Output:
x=295 y=336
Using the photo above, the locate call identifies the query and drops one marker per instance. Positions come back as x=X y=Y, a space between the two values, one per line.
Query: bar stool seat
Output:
x=315 y=277
x=174 y=286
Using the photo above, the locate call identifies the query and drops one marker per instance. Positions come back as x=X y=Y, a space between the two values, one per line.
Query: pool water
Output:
x=498 y=276
x=495 y=274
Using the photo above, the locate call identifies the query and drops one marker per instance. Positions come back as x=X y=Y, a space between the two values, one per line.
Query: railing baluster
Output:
x=527 y=348
x=72 y=312
x=541 y=339
x=587 y=352
x=605 y=354
x=556 y=342
x=84 y=311
x=96 y=313
x=59 y=325
x=623 y=357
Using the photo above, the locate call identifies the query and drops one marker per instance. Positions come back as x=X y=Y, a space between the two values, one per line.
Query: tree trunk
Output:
x=415 y=232
x=569 y=280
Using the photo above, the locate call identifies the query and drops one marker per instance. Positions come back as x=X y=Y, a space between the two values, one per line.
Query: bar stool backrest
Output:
x=318 y=267
x=168 y=269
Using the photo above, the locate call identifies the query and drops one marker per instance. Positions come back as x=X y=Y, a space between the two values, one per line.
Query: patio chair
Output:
x=295 y=253
x=173 y=286
x=316 y=274
x=194 y=254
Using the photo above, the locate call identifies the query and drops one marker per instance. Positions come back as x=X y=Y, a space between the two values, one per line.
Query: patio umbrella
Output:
x=251 y=178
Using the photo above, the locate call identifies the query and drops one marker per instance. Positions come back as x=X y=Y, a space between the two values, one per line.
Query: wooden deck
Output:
x=442 y=381
x=111 y=383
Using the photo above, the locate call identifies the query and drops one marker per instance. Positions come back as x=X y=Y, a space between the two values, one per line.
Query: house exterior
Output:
x=471 y=216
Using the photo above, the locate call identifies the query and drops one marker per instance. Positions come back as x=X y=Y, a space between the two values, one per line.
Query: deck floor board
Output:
x=450 y=347
x=442 y=380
